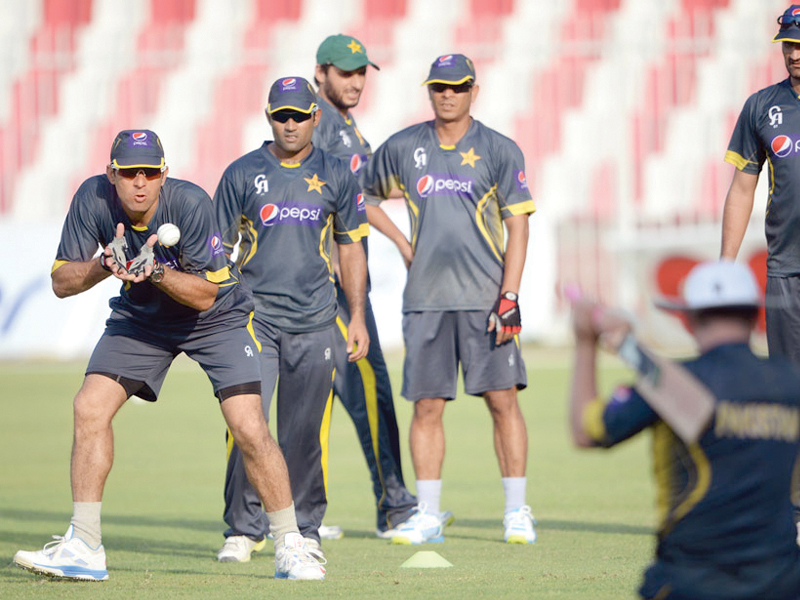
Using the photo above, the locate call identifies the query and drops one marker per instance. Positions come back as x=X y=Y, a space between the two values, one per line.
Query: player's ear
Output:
x=316 y=116
x=269 y=119
x=111 y=174
x=473 y=91
x=164 y=174
x=320 y=74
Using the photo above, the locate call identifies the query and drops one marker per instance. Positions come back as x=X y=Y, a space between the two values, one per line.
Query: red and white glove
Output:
x=505 y=314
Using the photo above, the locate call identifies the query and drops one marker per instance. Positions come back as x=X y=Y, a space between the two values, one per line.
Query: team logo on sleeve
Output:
x=782 y=146
x=293 y=213
x=520 y=179
x=435 y=183
x=215 y=244
x=361 y=203
x=357 y=162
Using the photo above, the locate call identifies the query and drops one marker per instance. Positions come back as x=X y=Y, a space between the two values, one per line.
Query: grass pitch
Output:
x=162 y=509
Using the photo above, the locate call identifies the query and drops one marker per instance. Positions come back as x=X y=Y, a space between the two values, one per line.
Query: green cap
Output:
x=343 y=51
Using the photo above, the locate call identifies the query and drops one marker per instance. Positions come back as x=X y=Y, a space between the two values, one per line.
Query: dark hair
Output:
x=324 y=70
x=746 y=314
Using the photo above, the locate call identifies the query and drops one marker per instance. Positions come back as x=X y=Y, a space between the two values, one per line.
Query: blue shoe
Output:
x=423 y=527
x=519 y=526
x=68 y=557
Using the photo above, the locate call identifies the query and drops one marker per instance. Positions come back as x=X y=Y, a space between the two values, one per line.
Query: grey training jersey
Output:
x=768 y=129
x=288 y=216
x=457 y=198
x=340 y=136
x=91 y=223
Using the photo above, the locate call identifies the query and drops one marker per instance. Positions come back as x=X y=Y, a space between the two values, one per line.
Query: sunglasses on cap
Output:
x=132 y=172
x=282 y=116
x=790 y=21
x=461 y=88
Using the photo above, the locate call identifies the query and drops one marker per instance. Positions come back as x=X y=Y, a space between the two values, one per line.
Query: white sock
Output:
x=282 y=522
x=86 y=522
x=515 y=490
x=429 y=491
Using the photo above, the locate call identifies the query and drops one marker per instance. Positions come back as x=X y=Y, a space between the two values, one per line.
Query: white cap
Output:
x=716 y=284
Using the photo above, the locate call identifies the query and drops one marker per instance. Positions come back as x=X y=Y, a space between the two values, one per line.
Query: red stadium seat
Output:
x=384 y=9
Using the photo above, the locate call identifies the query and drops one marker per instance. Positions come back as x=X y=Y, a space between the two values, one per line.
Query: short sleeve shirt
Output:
x=91 y=224
x=457 y=198
x=724 y=500
x=288 y=216
x=768 y=130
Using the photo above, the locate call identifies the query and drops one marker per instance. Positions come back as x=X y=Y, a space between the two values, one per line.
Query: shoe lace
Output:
x=523 y=515
x=50 y=548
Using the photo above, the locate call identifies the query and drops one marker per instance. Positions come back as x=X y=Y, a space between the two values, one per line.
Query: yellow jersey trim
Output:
x=218 y=276
x=480 y=220
x=139 y=227
x=737 y=160
x=443 y=147
x=57 y=265
x=290 y=165
x=523 y=208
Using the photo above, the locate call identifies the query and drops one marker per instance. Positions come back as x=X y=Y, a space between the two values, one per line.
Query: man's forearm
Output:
x=71 y=278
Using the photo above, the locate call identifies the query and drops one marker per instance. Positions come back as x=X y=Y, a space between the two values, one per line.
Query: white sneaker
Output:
x=315 y=549
x=67 y=556
x=519 y=526
x=423 y=527
x=294 y=561
x=238 y=548
x=330 y=532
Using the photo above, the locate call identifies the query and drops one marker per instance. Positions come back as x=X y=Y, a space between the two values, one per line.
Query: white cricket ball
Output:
x=168 y=235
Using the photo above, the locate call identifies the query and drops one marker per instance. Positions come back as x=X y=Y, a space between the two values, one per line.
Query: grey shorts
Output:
x=130 y=354
x=436 y=342
x=782 y=299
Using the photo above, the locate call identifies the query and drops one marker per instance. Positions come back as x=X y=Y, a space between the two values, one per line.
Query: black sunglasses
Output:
x=282 y=116
x=461 y=88
x=787 y=22
x=148 y=172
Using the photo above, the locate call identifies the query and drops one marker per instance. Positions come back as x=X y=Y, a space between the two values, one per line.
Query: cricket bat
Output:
x=681 y=400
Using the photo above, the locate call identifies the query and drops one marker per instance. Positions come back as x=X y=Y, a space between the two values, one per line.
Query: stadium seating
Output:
x=623 y=108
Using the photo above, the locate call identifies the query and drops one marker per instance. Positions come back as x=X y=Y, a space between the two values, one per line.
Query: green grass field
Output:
x=162 y=509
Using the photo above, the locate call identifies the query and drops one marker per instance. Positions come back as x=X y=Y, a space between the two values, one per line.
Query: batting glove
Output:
x=145 y=258
x=118 y=247
x=505 y=314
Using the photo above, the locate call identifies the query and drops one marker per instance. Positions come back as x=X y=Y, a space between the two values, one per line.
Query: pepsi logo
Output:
x=443 y=60
x=424 y=186
x=781 y=145
x=521 y=180
x=521 y=177
x=356 y=163
x=795 y=12
x=360 y=202
x=288 y=84
x=216 y=242
x=268 y=214
x=139 y=136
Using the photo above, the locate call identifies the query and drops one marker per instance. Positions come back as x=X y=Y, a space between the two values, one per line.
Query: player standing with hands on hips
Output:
x=767 y=131
x=184 y=298
x=462 y=183
x=726 y=528
x=363 y=387
x=289 y=201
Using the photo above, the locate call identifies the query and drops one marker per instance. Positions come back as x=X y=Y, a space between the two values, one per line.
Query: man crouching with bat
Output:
x=727 y=529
